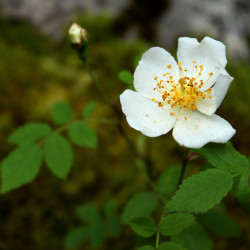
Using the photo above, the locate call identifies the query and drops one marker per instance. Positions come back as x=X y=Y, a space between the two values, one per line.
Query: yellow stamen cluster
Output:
x=185 y=93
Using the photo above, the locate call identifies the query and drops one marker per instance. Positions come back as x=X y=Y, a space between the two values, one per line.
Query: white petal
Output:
x=154 y=62
x=209 y=53
x=217 y=49
x=221 y=86
x=144 y=115
x=208 y=106
x=200 y=129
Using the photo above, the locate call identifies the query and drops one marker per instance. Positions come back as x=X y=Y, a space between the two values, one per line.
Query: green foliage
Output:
x=193 y=238
x=168 y=180
x=224 y=157
x=143 y=226
x=201 y=192
x=29 y=133
x=241 y=73
x=20 y=167
x=96 y=233
x=219 y=222
x=61 y=113
x=243 y=190
x=140 y=205
x=126 y=77
x=58 y=155
x=109 y=208
x=93 y=230
x=206 y=167
x=82 y=135
x=76 y=237
x=175 y=223
x=20 y=45
x=147 y=247
x=113 y=226
x=89 y=109
x=113 y=223
x=170 y=246
x=97 y=228
x=88 y=213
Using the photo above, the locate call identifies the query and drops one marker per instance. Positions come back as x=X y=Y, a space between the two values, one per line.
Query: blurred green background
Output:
x=36 y=72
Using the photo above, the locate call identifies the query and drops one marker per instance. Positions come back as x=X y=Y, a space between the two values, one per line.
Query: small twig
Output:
x=146 y=160
x=187 y=158
x=103 y=94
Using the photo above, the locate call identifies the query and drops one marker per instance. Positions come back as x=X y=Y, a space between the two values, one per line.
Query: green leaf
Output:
x=29 y=133
x=88 y=212
x=109 y=208
x=114 y=226
x=96 y=233
x=113 y=222
x=201 y=192
x=61 y=113
x=219 y=222
x=76 y=237
x=141 y=205
x=126 y=77
x=143 y=226
x=243 y=191
x=175 y=223
x=206 y=167
x=170 y=246
x=89 y=109
x=58 y=155
x=21 y=166
x=193 y=238
x=168 y=180
x=224 y=157
x=82 y=135
x=147 y=247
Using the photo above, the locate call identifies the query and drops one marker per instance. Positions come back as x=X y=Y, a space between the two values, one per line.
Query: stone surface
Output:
x=51 y=15
x=225 y=20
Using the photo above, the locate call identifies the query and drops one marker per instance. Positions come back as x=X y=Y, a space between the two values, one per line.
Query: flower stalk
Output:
x=78 y=42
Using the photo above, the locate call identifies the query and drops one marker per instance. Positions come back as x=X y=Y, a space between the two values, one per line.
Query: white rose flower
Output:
x=183 y=96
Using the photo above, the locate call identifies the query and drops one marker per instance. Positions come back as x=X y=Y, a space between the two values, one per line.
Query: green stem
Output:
x=147 y=162
x=157 y=239
x=116 y=110
x=56 y=131
x=187 y=157
x=99 y=87
x=239 y=173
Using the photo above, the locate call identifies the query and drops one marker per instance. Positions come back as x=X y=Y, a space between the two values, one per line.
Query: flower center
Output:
x=184 y=93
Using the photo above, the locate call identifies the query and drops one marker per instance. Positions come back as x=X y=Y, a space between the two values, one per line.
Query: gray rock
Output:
x=225 y=20
x=50 y=16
